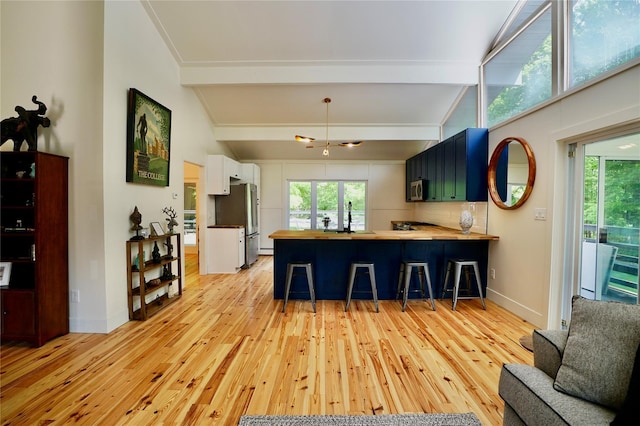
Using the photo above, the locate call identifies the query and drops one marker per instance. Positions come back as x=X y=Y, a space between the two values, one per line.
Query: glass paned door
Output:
x=610 y=220
x=355 y=192
x=328 y=202
x=325 y=205
x=300 y=205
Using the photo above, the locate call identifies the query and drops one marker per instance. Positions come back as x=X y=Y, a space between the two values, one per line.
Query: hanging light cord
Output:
x=325 y=152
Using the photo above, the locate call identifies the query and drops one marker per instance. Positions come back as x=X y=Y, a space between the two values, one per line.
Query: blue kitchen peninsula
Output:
x=331 y=254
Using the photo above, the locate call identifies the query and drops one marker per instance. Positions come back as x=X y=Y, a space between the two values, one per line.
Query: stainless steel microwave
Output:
x=418 y=190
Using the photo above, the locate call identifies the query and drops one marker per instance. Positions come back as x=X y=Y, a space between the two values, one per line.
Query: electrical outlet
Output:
x=492 y=273
x=75 y=296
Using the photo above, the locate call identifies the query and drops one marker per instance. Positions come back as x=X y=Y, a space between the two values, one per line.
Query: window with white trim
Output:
x=314 y=203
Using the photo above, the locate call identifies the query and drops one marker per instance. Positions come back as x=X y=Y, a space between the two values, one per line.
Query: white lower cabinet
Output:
x=225 y=250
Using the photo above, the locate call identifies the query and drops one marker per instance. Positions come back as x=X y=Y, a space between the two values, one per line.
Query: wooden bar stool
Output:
x=370 y=270
x=459 y=264
x=404 y=281
x=291 y=267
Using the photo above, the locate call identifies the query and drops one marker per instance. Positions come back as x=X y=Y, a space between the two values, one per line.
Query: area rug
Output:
x=466 y=419
x=527 y=342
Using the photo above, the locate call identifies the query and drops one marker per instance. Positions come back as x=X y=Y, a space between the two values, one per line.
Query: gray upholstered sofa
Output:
x=587 y=375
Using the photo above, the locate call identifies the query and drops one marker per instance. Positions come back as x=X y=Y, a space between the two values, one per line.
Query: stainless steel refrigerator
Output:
x=240 y=207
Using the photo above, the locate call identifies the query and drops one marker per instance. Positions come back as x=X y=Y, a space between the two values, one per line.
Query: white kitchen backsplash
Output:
x=448 y=214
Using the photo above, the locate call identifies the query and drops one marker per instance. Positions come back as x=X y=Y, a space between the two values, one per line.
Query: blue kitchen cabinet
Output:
x=415 y=170
x=455 y=169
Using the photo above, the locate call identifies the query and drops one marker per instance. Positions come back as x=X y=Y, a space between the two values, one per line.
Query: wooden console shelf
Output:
x=149 y=282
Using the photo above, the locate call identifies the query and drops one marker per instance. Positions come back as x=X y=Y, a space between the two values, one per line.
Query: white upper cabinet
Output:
x=250 y=173
x=220 y=171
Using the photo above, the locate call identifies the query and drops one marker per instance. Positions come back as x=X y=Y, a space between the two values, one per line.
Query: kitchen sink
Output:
x=344 y=231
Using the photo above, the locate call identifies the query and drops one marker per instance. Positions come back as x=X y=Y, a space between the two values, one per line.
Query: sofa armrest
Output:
x=548 y=347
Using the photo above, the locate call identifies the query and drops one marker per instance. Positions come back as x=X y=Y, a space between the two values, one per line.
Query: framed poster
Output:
x=148 y=140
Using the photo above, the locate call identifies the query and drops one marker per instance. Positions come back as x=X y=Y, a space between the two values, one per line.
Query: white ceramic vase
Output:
x=466 y=221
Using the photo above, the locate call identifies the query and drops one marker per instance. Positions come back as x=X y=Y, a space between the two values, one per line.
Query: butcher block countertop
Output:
x=423 y=233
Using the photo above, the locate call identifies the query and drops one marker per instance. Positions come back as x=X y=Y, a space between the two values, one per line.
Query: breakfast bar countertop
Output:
x=332 y=253
x=420 y=233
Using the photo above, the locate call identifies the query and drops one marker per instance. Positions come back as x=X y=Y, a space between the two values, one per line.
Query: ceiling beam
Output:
x=465 y=74
x=336 y=133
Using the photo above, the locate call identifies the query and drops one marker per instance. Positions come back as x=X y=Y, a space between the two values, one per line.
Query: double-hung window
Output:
x=315 y=204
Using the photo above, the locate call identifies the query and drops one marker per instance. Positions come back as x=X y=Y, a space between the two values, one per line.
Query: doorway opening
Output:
x=607 y=179
x=191 y=217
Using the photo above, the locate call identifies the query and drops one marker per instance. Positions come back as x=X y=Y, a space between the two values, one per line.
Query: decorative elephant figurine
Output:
x=24 y=127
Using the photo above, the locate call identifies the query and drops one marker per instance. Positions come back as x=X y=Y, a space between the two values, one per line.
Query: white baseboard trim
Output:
x=79 y=325
x=526 y=313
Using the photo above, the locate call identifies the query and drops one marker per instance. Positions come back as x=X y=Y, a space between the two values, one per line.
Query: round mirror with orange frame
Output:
x=511 y=164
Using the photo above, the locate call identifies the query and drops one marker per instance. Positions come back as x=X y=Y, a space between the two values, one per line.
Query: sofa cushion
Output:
x=529 y=392
x=548 y=346
x=599 y=354
x=628 y=414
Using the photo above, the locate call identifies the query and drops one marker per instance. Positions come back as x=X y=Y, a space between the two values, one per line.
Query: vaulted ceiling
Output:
x=393 y=69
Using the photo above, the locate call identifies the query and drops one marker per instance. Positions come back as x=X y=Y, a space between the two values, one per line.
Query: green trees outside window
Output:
x=602 y=35
x=611 y=212
x=310 y=202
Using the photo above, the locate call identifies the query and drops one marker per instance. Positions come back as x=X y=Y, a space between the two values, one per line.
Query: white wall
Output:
x=386 y=182
x=64 y=68
x=136 y=56
x=528 y=259
x=82 y=58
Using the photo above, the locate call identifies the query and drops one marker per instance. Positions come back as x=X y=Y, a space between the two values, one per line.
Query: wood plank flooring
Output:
x=226 y=349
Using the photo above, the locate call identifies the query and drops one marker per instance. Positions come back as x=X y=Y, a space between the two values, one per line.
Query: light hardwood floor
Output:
x=225 y=349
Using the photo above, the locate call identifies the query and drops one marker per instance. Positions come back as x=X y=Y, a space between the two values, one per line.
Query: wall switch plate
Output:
x=492 y=273
x=540 y=213
x=75 y=296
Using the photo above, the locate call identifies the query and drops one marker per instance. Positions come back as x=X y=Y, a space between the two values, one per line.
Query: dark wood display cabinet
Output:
x=149 y=280
x=34 y=246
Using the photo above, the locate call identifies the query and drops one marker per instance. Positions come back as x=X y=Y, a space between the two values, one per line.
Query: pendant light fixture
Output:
x=325 y=151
